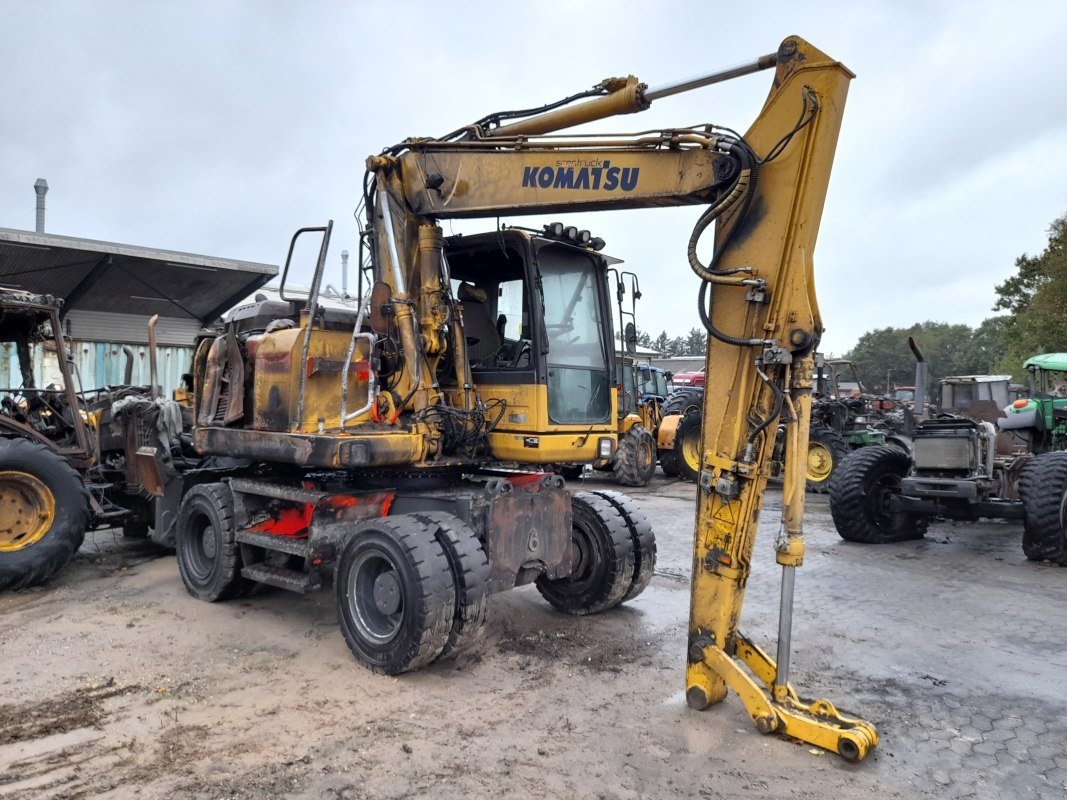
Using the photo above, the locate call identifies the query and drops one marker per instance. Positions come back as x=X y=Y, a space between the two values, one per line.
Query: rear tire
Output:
x=44 y=511
x=209 y=559
x=687 y=446
x=635 y=461
x=470 y=574
x=681 y=401
x=826 y=450
x=1043 y=488
x=395 y=594
x=643 y=538
x=860 y=490
x=603 y=559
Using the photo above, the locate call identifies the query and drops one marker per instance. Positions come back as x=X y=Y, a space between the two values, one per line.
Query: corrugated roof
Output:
x=121 y=278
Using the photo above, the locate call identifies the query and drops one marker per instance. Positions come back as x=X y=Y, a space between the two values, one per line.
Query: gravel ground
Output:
x=115 y=683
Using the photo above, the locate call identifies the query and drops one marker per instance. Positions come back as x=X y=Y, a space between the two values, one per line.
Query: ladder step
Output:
x=272 y=541
x=299 y=582
x=293 y=494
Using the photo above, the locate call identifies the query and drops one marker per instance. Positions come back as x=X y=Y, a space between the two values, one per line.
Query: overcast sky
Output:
x=221 y=127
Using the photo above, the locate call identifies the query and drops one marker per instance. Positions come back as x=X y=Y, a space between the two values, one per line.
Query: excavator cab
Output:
x=537 y=326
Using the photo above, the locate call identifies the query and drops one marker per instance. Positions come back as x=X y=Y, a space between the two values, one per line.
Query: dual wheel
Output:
x=414 y=588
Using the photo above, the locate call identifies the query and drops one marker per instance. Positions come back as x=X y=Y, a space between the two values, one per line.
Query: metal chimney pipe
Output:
x=344 y=274
x=41 y=187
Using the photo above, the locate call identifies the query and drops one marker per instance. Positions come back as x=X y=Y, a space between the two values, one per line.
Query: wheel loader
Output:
x=382 y=444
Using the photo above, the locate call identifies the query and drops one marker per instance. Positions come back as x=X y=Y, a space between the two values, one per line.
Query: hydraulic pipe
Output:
x=155 y=390
x=667 y=89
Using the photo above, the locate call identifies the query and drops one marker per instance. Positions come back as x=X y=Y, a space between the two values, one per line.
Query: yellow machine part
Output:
x=668 y=428
x=526 y=435
x=276 y=381
x=27 y=510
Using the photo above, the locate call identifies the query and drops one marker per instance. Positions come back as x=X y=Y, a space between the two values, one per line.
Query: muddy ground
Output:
x=114 y=683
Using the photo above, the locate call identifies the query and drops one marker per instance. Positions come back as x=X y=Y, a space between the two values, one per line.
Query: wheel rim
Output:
x=879 y=496
x=376 y=597
x=202 y=547
x=646 y=453
x=691 y=450
x=585 y=552
x=820 y=462
x=27 y=510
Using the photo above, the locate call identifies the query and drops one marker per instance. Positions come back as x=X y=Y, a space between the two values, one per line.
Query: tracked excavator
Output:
x=383 y=446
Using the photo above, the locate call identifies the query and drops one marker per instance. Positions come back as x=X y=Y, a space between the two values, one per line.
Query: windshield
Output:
x=579 y=387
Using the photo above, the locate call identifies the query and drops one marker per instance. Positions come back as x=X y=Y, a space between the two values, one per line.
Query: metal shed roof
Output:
x=126 y=279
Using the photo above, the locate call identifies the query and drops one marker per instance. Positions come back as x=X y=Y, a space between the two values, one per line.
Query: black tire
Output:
x=209 y=559
x=635 y=460
x=137 y=523
x=687 y=446
x=668 y=462
x=395 y=594
x=643 y=538
x=684 y=400
x=25 y=564
x=1042 y=487
x=826 y=450
x=603 y=563
x=859 y=491
x=470 y=574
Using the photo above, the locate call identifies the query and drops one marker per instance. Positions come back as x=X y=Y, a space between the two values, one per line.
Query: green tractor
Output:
x=978 y=457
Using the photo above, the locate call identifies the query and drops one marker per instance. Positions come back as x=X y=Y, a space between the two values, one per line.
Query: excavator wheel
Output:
x=860 y=490
x=44 y=510
x=1042 y=487
x=209 y=558
x=635 y=461
x=687 y=446
x=644 y=541
x=826 y=450
x=470 y=573
x=396 y=596
x=603 y=557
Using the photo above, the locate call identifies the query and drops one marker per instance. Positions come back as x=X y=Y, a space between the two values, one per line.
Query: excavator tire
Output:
x=635 y=460
x=44 y=511
x=826 y=450
x=396 y=596
x=470 y=573
x=209 y=558
x=644 y=541
x=683 y=400
x=1042 y=487
x=859 y=491
x=687 y=446
x=604 y=566
x=668 y=462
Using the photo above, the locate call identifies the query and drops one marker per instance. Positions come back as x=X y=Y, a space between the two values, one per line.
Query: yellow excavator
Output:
x=378 y=446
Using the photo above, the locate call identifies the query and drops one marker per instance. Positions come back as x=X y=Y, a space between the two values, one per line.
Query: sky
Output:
x=222 y=127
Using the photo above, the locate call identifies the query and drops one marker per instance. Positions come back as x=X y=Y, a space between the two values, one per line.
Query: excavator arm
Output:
x=765 y=191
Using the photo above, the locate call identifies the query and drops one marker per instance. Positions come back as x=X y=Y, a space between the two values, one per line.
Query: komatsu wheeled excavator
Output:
x=383 y=446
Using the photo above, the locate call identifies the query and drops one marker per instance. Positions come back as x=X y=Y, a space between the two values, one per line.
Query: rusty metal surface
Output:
x=527 y=529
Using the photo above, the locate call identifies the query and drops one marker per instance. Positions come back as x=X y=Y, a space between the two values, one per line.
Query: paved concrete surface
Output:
x=115 y=683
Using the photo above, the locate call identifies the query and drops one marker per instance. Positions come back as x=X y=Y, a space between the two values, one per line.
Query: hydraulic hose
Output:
x=703 y=304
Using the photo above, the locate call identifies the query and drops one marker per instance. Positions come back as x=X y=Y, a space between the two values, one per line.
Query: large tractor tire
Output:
x=604 y=564
x=209 y=558
x=635 y=460
x=683 y=400
x=668 y=462
x=1043 y=488
x=826 y=450
x=860 y=490
x=644 y=541
x=687 y=446
x=396 y=595
x=44 y=511
x=470 y=574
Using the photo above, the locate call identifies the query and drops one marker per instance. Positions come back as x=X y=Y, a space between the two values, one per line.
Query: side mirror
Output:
x=668 y=375
x=630 y=338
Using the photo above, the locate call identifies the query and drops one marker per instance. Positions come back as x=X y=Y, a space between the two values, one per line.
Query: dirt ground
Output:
x=114 y=683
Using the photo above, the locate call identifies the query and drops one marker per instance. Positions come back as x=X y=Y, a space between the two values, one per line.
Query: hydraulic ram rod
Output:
x=667 y=89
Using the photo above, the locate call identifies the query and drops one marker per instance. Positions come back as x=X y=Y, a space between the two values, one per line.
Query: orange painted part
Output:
x=520 y=481
x=1020 y=403
x=288 y=521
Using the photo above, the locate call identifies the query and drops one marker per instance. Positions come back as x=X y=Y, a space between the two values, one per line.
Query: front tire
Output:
x=1043 y=488
x=395 y=594
x=643 y=538
x=209 y=560
x=44 y=511
x=826 y=450
x=635 y=461
x=687 y=447
x=603 y=559
x=860 y=491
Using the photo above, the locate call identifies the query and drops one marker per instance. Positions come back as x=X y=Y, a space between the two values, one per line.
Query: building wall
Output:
x=99 y=364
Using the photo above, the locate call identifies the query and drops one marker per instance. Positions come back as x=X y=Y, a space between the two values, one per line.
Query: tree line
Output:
x=1034 y=300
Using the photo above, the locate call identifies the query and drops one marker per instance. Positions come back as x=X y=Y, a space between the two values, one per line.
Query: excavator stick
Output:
x=759 y=367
